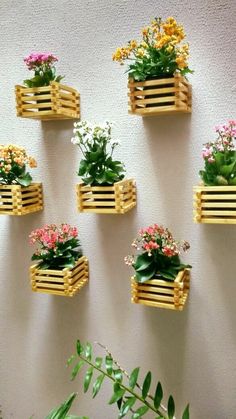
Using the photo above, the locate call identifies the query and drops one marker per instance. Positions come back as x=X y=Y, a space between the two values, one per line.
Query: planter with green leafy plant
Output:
x=43 y=96
x=104 y=189
x=61 y=268
x=161 y=279
x=133 y=400
x=157 y=68
x=215 y=198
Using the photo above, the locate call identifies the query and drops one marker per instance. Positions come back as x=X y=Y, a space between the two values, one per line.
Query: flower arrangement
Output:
x=97 y=167
x=160 y=254
x=59 y=247
x=220 y=157
x=160 y=52
x=13 y=162
x=44 y=69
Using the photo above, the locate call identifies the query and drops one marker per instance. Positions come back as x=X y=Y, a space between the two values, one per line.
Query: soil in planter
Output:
x=159 y=95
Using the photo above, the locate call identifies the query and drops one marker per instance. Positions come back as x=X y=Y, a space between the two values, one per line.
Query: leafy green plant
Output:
x=159 y=54
x=61 y=412
x=160 y=254
x=130 y=396
x=220 y=157
x=44 y=69
x=97 y=167
x=13 y=163
x=59 y=246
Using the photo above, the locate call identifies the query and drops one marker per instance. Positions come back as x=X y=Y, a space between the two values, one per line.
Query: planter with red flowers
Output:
x=104 y=189
x=44 y=97
x=215 y=198
x=18 y=195
x=62 y=269
x=157 y=69
x=161 y=279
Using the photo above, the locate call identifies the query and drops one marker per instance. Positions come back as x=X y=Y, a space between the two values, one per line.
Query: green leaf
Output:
x=97 y=384
x=232 y=181
x=88 y=351
x=118 y=394
x=142 y=262
x=186 y=413
x=133 y=377
x=98 y=361
x=140 y=411
x=158 y=395
x=76 y=369
x=24 y=180
x=146 y=385
x=127 y=406
x=109 y=365
x=171 y=407
x=118 y=375
x=63 y=409
x=145 y=275
x=79 y=348
x=227 y=169
x=82 y=168
x=220 y=180
x=87 y=379
x=70 y=360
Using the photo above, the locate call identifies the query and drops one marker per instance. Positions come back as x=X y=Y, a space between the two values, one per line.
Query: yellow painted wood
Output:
x=116 y=199
x=174 y=97
x=65 y=282
x=63 y=101
x=19 y=200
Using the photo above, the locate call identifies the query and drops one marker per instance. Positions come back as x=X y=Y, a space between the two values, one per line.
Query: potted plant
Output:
x=43 y=96
x=132 y=398
x=215 y=197
x=157 y=68
x=104 y=189
x=18 y=195
x=61 y=268
x=161 y=279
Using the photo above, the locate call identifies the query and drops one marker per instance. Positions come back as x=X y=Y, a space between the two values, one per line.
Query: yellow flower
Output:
x=181 y=62
x=133 y=44
x=165 y=39
x=169 y=48
x=145 y=31
x=140 y=52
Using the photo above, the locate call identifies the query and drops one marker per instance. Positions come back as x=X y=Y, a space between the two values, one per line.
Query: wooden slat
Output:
x=24 y=200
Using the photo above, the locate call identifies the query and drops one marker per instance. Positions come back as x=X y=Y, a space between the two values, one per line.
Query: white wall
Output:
x=193 y=352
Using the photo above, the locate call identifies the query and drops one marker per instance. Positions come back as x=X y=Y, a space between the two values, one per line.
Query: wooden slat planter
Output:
x=161 y=293
x=66 y=282
x=115 y=199
x=215 y=204
x=160 y=96
x=55 y=101
x=19 y=200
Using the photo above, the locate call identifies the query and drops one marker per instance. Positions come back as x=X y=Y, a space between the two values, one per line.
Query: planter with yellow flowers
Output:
x=157 y=69
x=43 y=96
x=18 y=195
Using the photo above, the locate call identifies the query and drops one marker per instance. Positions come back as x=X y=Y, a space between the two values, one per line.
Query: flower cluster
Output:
x=159 y=53
x=159 y=254
x=97 y=167
x=220 y=157
x=13 y=161
x=58 y=246
x=44 y=69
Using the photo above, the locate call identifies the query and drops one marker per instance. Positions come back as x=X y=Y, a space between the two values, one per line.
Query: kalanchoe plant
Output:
x=131 y=397
x=59 y=247
x=13 y=162
x=159 y=257
x=97 y=166
x=160 y=53
x=220 y=157
x=44 y=69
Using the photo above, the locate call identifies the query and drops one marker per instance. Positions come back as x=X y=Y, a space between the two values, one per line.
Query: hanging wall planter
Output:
x=161 y=293
x=44 y=97
x=215 y=199
x=159 y=63
x=104 y=189
x=61 y=270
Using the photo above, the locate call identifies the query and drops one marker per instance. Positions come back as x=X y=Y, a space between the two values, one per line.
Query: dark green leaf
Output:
x=140 y=411
x=87 y=379
x=118 y=375
x=109 y=365
x=63 y=409
x=142 y=262
x=158 y=395
x=171 y=407
x=127 y=406
x=118 y=393
x=186 y=413
x=97 y=384
x=79 y=348
x=76 y=369
x=145 y=275
x=24 y=180
x=133 y=377
x=146 y=385
x=98 y=362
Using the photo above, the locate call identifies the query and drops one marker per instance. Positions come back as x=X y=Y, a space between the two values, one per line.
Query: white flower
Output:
x=74 y=140
x=74 y=131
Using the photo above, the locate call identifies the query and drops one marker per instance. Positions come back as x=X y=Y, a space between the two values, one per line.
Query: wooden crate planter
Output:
x=215 y=204
x=66 y=282
x=19 y=200
x=161 y=293
x=115 y=199
x=55 y=101
x=159 y=96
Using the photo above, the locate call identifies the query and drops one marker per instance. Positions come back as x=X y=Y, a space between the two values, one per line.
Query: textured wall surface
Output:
x=193 y=352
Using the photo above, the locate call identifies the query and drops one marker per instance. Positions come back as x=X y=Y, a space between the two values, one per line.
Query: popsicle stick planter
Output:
x=115 y=199
x=215 y=204
x=66 y=282
x=55 y=101
x=19 y=200
x=161 y=293
x=160 y=96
